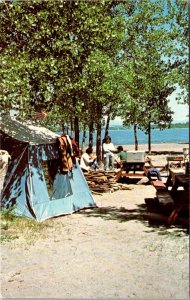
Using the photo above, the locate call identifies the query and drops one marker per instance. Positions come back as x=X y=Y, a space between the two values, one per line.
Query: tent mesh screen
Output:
x=48 y=180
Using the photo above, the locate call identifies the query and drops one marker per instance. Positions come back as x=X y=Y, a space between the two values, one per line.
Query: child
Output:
x=121 y=157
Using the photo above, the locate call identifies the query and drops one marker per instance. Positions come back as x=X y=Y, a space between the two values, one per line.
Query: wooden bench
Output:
x=127 y=174
x=158 y=185
x=181 y=206
x=166 y=201
x=163 y=208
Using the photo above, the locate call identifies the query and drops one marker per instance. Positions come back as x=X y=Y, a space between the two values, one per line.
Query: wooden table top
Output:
x=177 y=170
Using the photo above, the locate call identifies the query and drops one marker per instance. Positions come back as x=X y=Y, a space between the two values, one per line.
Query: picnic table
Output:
x=172 y=176
x=181 y=180
x=178 y=179
x=132 y=169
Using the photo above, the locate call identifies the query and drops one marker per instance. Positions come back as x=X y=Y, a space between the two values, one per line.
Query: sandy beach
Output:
x=178 y=147
x=159 y=147
x=105 y=252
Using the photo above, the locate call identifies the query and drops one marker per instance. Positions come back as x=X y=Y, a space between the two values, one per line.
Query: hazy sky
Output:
x=181 y=111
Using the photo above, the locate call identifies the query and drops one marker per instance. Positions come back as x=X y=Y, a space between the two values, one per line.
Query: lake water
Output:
x=126 y=137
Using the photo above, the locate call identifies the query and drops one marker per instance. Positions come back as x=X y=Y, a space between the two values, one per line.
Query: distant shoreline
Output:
x=126 y=137
x=173 y=126
x=153 y=128
x=161 y=147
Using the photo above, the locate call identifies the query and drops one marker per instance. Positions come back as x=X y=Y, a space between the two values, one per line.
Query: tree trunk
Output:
x=135 y=136
x=83 y=138
x=67 y=128
x=63 y=127
x=76 y=126
x=91 y=129
x=71 y=124
x=76 y=120
x=106 y=133
x=149 y=137
x=98 y=141
x=107 y=125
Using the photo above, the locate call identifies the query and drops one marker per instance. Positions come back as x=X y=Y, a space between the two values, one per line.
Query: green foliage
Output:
x=147 y=51
x=46 y=41
x=88 y=59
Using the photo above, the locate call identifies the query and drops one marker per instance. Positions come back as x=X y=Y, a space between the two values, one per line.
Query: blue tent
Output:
x=34 y=185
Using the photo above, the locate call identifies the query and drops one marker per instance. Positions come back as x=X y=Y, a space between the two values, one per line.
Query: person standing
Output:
x=109 y=151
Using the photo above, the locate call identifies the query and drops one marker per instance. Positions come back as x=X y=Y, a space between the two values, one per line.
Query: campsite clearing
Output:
x=104 y=252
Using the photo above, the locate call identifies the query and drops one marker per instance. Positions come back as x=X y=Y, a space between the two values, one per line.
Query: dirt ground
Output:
x=105 y=252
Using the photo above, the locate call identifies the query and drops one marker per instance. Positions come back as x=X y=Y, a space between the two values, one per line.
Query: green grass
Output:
x=13 y=227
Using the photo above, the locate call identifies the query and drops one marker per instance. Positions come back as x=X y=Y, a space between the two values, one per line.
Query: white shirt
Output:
x=86 y=161
x=108 y=148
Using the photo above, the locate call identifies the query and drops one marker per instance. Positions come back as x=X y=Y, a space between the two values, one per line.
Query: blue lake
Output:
x=126 y=137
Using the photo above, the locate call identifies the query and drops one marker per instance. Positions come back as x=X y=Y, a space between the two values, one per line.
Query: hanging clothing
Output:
x=65 y=151
x=75 y=148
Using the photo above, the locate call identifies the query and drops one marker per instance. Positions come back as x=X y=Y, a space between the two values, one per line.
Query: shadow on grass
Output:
x=139 y=214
